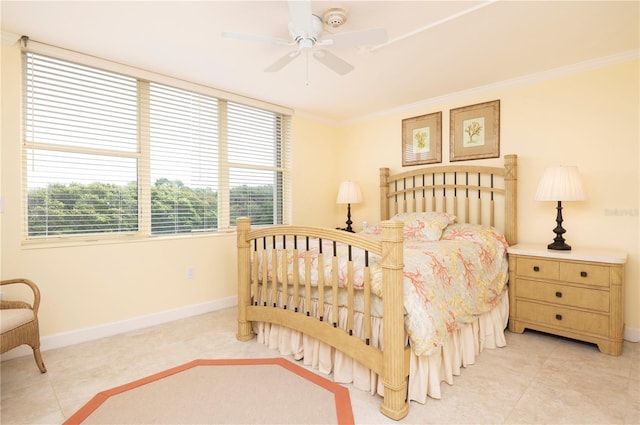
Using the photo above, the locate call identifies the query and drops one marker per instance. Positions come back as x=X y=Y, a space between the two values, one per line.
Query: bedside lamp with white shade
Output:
x=560 y=183
x=349 y=193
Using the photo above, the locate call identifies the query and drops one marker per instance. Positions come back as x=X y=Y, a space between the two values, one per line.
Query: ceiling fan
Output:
x=305 y=29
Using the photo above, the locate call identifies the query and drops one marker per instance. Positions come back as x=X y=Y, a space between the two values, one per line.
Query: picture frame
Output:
x=474 y=131
x=422 y=139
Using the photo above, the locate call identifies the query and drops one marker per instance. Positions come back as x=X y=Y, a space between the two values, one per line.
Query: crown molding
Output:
x=506 y=84
x=9 y=38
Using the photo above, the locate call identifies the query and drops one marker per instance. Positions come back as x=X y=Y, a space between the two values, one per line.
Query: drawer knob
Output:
x=558 y=316
x=559 y=294
x=583 y=274
x=536 y=268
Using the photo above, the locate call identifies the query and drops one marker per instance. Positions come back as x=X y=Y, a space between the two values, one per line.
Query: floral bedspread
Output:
x=446 y=282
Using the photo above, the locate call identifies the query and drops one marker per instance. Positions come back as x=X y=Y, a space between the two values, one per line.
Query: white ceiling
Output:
x=435 y=47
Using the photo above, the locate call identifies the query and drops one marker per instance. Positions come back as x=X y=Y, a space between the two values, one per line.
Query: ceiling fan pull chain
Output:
x=306 y=78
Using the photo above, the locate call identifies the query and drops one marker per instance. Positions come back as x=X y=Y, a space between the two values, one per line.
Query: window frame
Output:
x=143 y=154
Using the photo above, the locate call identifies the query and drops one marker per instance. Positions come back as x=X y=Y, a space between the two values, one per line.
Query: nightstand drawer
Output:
x=591 y=299
x=561 y=317
x=537 y=268
x=588 y=274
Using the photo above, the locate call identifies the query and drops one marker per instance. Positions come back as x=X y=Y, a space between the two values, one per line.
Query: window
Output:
x=107 y=153
x=255 y=164
x=81 y=149
x=184 y=140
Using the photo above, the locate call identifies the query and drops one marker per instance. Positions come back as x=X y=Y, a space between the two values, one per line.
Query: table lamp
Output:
x=349 y=193
x=561 y=183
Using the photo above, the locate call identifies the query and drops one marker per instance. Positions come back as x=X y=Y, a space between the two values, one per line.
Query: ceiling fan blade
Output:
x=332 y=61
x=283 y=61
x=371 y=37
x=300 y=12
x=253 y=37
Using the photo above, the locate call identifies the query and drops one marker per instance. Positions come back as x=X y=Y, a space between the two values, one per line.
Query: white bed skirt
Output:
x=426 y=373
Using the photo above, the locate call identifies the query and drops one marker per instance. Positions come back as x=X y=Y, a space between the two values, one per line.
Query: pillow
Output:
x=424 y=225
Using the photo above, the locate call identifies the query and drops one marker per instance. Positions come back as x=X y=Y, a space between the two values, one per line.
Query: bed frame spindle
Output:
x=350 y=294
x=433 y=192
x=334 y=285
x=307 y=279
x=320 y=282
x=455 y=193
x=264 y=274
x=424 y=195
x=274 y=260
x=466 y=197
x=285 y=276
x=296 y=275
x=413 y=194
x=479 y=206
x=492 y=214
x=367 y=299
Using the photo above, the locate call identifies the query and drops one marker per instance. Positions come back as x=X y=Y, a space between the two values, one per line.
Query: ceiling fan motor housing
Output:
x=303 y=39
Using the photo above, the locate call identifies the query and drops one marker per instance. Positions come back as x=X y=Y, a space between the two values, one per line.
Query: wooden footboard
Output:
x=259 y=300
x=475 y=194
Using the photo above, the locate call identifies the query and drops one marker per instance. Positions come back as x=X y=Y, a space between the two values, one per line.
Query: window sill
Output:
x=66 y=242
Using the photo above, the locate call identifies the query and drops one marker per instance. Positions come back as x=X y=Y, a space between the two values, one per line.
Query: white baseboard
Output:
x=65 y=339
x=632 y=334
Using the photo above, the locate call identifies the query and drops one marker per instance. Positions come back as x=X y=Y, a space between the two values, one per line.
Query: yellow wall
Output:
x=588 y=119
x=315 y=173
x=90 y=284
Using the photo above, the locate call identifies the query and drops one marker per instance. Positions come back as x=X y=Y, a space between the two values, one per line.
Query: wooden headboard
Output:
x=475 y=194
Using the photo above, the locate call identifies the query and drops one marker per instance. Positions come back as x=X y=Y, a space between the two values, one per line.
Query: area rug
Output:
x=233 y=391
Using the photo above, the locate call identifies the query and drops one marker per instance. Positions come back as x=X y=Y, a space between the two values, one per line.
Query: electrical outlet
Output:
x=191 y=272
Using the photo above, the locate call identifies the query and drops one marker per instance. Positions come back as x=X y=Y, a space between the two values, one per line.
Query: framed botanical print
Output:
x=422 y=139
x=475 y=131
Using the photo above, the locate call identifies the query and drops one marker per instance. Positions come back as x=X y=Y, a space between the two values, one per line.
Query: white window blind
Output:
x=106 y=153
x=256 y=164
x=81 y=149
x=184 y=142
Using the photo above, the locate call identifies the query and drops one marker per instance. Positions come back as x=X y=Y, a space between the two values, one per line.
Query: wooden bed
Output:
x=474 y=194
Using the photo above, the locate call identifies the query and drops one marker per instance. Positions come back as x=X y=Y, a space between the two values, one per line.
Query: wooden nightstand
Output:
x=577 y=294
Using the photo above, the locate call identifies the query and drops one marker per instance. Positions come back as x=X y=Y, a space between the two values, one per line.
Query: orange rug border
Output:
x=344 y=411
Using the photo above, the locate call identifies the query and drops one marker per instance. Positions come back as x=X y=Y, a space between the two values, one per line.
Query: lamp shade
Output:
x=349 y=193
x=561 y=183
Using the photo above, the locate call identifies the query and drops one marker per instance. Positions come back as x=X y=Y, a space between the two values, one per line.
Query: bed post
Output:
x=384 y=191
x=511 y=207
x=245 y=332
x=394 y=380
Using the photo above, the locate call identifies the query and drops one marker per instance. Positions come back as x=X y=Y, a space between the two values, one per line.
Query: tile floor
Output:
x=536 y=379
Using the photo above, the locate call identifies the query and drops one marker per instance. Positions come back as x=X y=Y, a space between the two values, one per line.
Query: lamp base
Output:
x=349 y=222
x=560 y=246
x=346 y=229
x=558 y=242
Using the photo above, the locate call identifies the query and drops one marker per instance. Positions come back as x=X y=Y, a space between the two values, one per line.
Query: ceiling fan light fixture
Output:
x=335 y=17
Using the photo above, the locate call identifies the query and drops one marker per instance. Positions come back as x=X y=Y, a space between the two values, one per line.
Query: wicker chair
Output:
x=19 y=322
